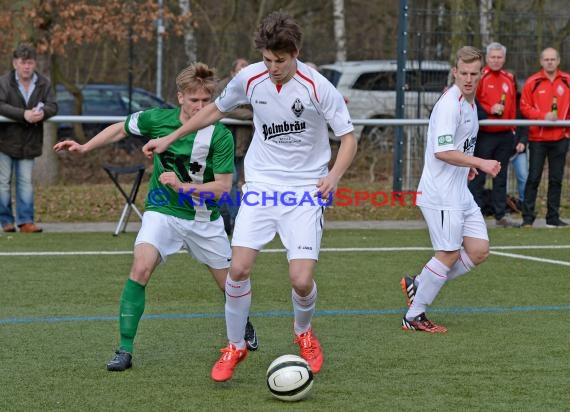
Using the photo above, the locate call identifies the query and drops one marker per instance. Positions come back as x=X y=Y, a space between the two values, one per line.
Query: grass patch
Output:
x=505 y=349
x=102 y=202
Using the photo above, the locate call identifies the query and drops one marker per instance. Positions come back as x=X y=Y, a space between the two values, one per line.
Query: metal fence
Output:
x=435 y=31
x=379 y=154
x=410 y=164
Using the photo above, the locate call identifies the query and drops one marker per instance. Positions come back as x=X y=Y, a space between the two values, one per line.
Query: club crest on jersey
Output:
x=297 y=107
x=444 y=140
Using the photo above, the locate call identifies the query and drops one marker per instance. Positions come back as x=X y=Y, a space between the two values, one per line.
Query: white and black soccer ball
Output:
x=289 y=378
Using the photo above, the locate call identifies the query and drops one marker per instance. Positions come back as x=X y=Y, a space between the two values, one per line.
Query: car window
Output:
x=416 y=80
x=427 y=80
x=102 y=102
x=65 y=104
x=378 y=81
x=332 y=76
x=140 y=101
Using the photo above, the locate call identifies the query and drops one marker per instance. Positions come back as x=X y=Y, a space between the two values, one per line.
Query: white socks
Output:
x=430 y=281
x=463 y=265
x=238 y=303
x=303 y=310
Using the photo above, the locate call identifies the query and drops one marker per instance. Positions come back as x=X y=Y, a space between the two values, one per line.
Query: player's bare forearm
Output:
x=346 y=153
x=205 y=117
x=110 y=134
x=457 y=158
x=222 y=184
x=345 y=156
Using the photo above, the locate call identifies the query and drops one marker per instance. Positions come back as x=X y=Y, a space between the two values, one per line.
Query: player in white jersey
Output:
x=289 y=154
x=456 y=226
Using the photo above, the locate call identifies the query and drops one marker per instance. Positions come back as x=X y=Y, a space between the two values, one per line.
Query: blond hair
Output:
x=195 y=77
x=468 y=54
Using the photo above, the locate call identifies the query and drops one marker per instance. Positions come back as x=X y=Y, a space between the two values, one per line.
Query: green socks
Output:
x=131 y=310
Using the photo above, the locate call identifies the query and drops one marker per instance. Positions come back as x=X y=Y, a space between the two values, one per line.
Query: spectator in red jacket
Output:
x=496 y=99
x=546 y=96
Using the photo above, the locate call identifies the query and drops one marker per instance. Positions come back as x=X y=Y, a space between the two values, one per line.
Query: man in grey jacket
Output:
x=26 y=97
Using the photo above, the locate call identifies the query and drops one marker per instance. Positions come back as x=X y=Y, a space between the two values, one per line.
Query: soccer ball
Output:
x=289 y=378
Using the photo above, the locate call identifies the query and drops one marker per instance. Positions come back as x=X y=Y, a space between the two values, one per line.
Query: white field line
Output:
x=347 y=249
x=535 y=259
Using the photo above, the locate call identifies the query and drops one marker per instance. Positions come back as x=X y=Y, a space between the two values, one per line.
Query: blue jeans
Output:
x=520 y=167
x=22 y=170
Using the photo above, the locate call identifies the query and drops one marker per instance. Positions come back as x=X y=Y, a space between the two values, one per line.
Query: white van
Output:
x=370 y=88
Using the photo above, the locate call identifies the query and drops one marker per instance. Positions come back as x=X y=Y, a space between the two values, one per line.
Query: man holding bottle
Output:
x=496 y=99
x=546 y=96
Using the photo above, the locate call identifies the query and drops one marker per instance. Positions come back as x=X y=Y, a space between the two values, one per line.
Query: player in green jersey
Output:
x=201 y=163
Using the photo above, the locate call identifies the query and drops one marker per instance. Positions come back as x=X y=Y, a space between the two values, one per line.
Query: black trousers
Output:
x=555 y=152
x=497 y=146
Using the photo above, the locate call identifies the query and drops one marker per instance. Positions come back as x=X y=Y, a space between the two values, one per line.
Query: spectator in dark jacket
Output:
x=26 y=98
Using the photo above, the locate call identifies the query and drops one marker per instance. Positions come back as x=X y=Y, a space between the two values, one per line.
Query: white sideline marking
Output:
x=78 y=253
x=535 y=259
x=347 y=249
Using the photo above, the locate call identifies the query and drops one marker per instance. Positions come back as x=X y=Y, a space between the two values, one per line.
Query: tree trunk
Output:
x=189 y=38
x=486 y=21
x=339 y=30
x=458 y=23
x=46 y=166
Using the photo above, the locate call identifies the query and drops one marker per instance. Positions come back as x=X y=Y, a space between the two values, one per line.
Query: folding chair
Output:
x=114 y=172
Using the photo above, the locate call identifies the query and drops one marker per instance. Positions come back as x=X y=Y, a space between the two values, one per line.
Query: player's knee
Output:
x=140 y=274
x=303 y=285
x=479 y=255
x=239 y=272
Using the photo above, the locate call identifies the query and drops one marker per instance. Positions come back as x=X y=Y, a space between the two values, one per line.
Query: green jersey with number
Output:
x=194 y=158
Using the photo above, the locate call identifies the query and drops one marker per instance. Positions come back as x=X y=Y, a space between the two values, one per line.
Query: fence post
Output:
x=400 y=93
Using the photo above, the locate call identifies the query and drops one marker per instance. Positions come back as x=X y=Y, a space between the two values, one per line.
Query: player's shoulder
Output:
x=252 y=73
x=451 y=97
x=317 y=84
x=158 y=113
x=221 y=132
x=219 y=127
x=450 y=104
x=309 y=75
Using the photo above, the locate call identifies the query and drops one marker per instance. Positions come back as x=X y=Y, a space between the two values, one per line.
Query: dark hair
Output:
x=197 y=76
x=25 y=52
x=278 y=32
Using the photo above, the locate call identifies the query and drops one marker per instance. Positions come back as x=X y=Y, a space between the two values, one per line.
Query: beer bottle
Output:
x=502 y=101
x=554 y=108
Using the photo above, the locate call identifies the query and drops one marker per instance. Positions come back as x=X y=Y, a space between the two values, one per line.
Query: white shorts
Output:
x=268 y=209
x=447 y=228
x=207 y=242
